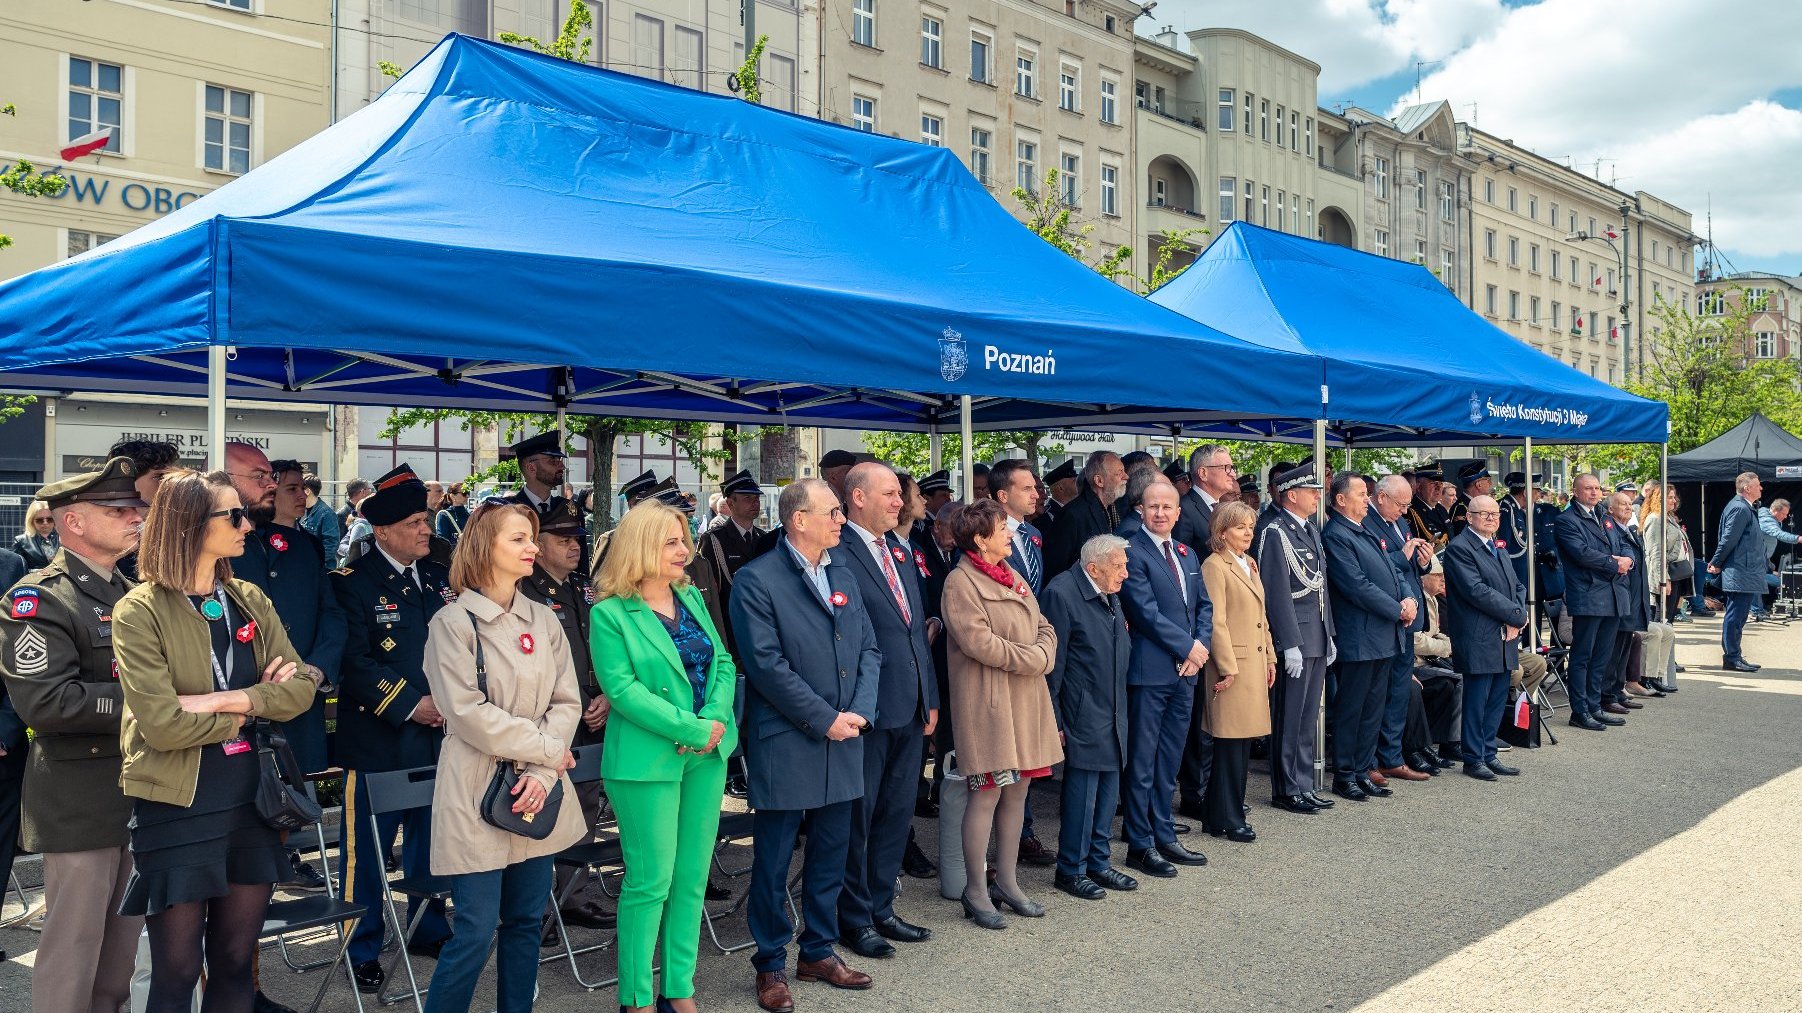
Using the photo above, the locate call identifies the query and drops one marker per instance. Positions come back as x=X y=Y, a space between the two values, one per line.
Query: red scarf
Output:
x=998 y=572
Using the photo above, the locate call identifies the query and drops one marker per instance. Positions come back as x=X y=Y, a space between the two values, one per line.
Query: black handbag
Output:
x=1682 y=569
x=497 y=801
x=280 y=804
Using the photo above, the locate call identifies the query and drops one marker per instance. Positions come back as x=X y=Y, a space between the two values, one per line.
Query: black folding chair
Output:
x=401 y=791
x=583 y=858
x=309 y=914
x=733 y=827
x=319 y=842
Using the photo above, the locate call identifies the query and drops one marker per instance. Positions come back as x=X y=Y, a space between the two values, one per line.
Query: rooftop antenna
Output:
x=1473 y=111
x=1418 y=64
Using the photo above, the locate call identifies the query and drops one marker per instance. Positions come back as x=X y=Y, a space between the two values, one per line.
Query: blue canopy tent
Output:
x=503 y=230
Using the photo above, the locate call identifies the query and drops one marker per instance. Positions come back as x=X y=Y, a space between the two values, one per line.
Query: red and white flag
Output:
x=87 y=144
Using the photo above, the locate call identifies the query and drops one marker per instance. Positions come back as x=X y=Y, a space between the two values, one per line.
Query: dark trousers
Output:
x=506 y=901
x=773 y=833
x=1733 y=624
x=1395 y=711
x=892 y=760
x=1226 y=784
x=1485 y=697
x=1087 y=820
x=1294 y=710
x=1441 y=694
x=361 y=866
x=12 y=784
x=1360 y=693
x=1621 y=660
x=1591 y=649
x=1157 y=721
x=1198 y=752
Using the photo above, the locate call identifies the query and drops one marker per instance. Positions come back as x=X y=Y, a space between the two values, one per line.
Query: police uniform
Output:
x=1475 y=471
x=56 y=653
x=1429 y=520
x=725 y=548
x=1292 y=565
x=381 y=681
x=288 y=565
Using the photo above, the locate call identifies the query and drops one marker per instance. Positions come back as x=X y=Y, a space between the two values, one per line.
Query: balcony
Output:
x=1169 y=219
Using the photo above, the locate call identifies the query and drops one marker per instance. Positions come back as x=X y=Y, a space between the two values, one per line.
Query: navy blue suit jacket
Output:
x=1593 y=585
x=1088 y=680
x=382 y=676
x=1741 y=553
x=1406 y=568
x=1165 y=623
x=805 y=660
x=908 y=687
x=1366 y=591
x=1033 y=548
x=1486 y=595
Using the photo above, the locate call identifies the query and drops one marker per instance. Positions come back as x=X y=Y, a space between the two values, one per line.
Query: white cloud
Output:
x=1744 y=162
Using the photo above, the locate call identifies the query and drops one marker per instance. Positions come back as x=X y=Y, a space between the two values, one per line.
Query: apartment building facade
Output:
x=1775 y=318
x=1414 y=183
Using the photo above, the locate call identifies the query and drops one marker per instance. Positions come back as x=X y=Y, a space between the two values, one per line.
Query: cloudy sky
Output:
x=1697 y=101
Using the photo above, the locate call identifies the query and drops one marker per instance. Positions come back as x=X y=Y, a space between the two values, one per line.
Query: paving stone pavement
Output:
x=1648 y=868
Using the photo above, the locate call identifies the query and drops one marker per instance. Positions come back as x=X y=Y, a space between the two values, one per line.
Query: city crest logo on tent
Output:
x=954 y=356
x=1476 y=408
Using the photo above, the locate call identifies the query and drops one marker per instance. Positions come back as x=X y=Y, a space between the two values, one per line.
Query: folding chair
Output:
x=326 y=911
x=26 y=911
x=1557 y=655
x=322 y=840
x=733 y=827
x=583 y=857
x=400 y=791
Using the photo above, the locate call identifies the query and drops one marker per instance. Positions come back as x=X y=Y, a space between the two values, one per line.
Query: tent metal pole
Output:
x=935 y=449
x=1526 y=461
x=1320 y=778
x=215 y=407
x=1664 y=493
x=968 y=448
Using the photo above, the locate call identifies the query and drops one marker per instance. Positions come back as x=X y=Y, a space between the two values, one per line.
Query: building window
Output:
x=1109 y=23
x=236 y=5
x=1532 y=207
x=1310 y=137
x=1069 y=86
x=1228 y=186
x=1533 y=311
x=932 y=42
x=1248 y=104
x=1264 y=119
x=1264 y=218
x=1489 y=191
x=1281 y=203
x=1489 y=299
x=1533 y=258
x=1513 y=251
x=1381 y=175
x=1557 y=275
x=1448 y=201
x=1026 y=166
x=1420 y=189
x=1758 y=300
x=863 y=113
x=1552 y=215
x=863 y=22
x=1310 y=231
x=647 y=46
x=1224 y=117
x=1026 y=73
x=980 y=48
x=1711 y=304
x=96 y=96
x=1513 y=199
x=1160 y=192
x=1592 y=227
x=1070 y=178
x=688 y=57
x=1764 y=344
x=1575 y=277
x=1279 y=126
x=1110 y=100
x=82 y=242
x=227 y=139
x=1514 y=306
x=1557 y=314
x=782 y=82
x=1489 y=244
x=932 y=130
x=1250 y=202
x=1110 y=190
x=1295 y=215
x=1420 y=252
x=1448 y=268
x=1380 y=238
x=1294 y=131
x=981 y=142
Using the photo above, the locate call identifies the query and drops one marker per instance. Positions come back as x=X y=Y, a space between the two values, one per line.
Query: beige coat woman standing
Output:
x=999 y=651
x=1241 y=667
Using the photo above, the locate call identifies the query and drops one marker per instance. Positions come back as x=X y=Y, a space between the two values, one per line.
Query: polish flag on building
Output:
x=87 y=144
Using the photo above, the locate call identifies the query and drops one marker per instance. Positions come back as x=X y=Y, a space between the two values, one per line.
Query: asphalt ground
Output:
x=1652 y=867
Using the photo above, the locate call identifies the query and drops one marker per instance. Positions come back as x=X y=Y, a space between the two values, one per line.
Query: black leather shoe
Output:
x=864 y=942
x=1740 y=665
x=1034 y=853
x=369 y=977
x=1181 y=855
x=1613 y=707
x=1114 y=879
x=716 y=892
x=915 y=863
x=893 y=928
x=1586 y=722
x=1351 y=790
x=1238 y=835
x=1421 y=765
x=1182 y=829
x=1372 y=788
x=264 y=1004
x=1319 y=803
x=1295 y=804
x=1244 y=809
x=1150 y=863
x=427 y=950
x=1503 y=769
x=1632 y=705
x=1080 y=887
x=1190 y=808
x=588 y=915
x=738 y=787
x=1479 y=771
x=1609 y=719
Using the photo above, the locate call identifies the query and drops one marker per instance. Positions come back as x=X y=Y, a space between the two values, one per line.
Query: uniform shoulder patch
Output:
x=31 y=654
x=23 y=601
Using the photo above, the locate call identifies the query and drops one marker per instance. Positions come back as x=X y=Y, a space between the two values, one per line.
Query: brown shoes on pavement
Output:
x=772 y=992
x=772 y=986
x=1405 y=773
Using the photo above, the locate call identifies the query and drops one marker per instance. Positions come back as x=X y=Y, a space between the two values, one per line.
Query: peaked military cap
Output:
x=564 y=518
x=398 y=495
x=549 y=444
x=113 y=485
x=1063 y=472
x=640 y=486
x=741 y=482
x=1301 y=476
x=1471 y=472
x=940 y=481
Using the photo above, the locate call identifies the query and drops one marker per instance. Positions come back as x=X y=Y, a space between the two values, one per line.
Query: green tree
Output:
x=912 y=452
x=750 y=86
x=1048 y=215
x=570 y=44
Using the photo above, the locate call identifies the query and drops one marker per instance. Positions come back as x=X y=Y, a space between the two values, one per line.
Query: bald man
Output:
x=1488 y=610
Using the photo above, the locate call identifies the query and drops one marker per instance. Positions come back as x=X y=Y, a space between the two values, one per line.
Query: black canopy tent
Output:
x=1757 y=444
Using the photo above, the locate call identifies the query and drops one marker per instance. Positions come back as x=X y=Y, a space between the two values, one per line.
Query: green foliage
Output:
x=750 y=87
x=1255 y=458
x=1048 y=215
x=569 y=43
x=390 y=69
x=1173 y=244
x=912 y=452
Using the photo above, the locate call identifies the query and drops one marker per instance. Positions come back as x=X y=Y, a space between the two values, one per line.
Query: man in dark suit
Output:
x=1742 y=559
x=1412 y=557
x=1212 y=479
x=1484 y=623
x=387 y=719
x=813 y=669
x=541 y=471
x=1060 y=490
x=1595 y=595
x=1091 y=513
x=1292 y=564
x=724 y=548
x=1637 y=617
x=1088 y=696
x=907 y=708
x=1371 y=613
x=1172 y=623
x=1014 y=486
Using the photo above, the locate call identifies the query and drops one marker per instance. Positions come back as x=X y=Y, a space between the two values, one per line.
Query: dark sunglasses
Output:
x=235 y=513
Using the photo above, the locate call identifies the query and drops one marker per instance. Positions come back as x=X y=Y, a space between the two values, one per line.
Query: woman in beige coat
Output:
x=1241 y=668
x=499 y=881
x=999 y=650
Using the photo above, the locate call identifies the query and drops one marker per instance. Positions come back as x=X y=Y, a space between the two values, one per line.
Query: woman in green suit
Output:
x=663 y=664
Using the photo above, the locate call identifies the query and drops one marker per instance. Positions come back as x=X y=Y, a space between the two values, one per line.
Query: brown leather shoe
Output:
x=1405 y=773
x=1632 y=705
x=1614 y=708
x=1377 y=778
x=772 y=992
x=832 y=971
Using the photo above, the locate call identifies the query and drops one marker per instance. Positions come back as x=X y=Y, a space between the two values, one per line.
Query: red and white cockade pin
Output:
x=1181 y=549
x=1500 y=544
x=900 y=555
x=920 y=561
x=246 y=632
x=526 y=643
x=278 y=543
x=1608 y=524
x=839 y=600
x=1037 y=542
x=1021 y=588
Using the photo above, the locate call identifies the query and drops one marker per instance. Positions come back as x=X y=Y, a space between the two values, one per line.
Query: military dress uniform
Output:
x=288 y=565
x=56 y=653
x=1292 y=565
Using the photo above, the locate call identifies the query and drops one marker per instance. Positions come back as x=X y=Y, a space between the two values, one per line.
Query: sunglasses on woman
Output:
x=235 y=513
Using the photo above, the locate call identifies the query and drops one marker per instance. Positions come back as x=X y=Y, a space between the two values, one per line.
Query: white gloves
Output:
x=1292 y=661
x=1332 y=652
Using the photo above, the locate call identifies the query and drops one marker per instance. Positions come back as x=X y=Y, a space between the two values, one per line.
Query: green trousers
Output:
x=667 y=831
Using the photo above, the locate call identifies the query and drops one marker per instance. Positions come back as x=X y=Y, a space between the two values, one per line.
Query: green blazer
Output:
x=653 y=703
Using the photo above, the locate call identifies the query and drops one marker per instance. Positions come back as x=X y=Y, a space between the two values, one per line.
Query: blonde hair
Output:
x=175 y=529
x=472 y=561
x=37 y=506
x=1226 y=517
x=635 y=549
x=1653 y=504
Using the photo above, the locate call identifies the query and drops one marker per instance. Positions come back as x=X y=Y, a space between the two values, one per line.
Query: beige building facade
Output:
x=1775 y=320
x=1413 y=179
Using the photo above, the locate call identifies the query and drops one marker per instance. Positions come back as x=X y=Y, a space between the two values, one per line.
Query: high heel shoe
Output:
x=1023 y=908
x=986 y=919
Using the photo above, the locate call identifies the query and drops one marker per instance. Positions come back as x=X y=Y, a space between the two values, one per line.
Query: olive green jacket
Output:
x=164 y=651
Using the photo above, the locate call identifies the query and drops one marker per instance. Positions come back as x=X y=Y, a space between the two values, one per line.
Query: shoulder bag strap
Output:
x=481 y=662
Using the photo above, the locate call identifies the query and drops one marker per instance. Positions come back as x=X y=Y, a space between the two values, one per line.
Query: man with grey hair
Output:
x=1742 y=562
x=1093 y=512
x=1595 y=595
x=1212 y=478
x=1088 y=697
x=1412 y=557
x=1770 y=524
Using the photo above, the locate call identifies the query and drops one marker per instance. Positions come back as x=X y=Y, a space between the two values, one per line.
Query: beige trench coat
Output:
x=1241 y=648
x=999 y=649
x=535 y=705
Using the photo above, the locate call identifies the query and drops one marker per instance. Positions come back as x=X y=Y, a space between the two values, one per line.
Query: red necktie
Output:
x=1176 y=573
x=894 y=580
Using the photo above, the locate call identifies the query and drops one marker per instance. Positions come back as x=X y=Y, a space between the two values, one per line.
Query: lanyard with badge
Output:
x=222 y=673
